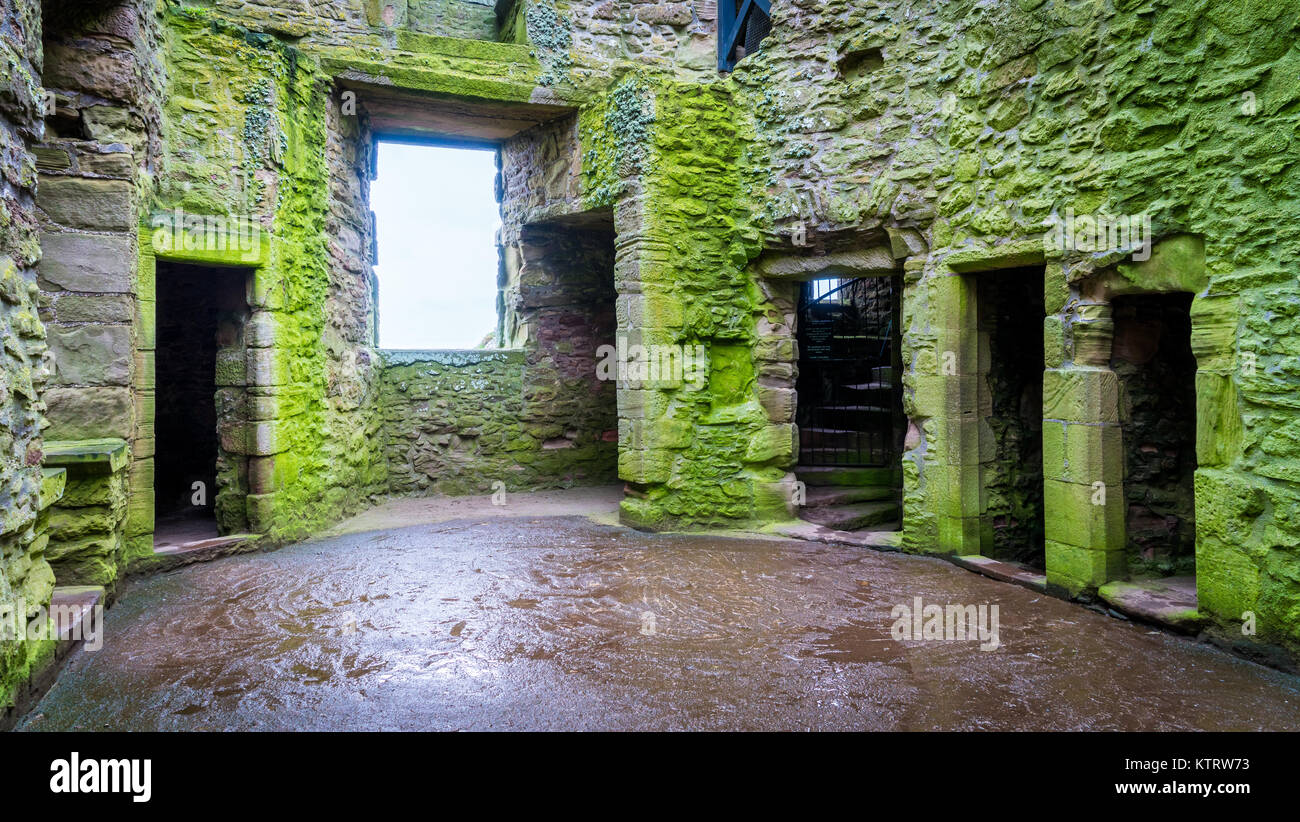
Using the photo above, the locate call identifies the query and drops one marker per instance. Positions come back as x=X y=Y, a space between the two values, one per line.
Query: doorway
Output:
x=1010 y=308
x=1156 y=369
x=200 y=376
x=850 y=403
x=850 y=399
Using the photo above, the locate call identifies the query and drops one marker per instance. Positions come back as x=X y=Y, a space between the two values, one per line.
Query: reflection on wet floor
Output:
x=563 y=624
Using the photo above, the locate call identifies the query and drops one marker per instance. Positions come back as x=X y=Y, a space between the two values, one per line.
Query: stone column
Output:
x=951 y=397
x=1083 y=459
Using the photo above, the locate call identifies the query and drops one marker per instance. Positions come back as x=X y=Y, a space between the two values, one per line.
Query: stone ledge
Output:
x=108 y=452
x=882 y=540
x=456 y=358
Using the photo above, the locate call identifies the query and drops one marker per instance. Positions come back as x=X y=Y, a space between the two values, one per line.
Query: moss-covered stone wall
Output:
x=939 y=141
x=26 y=580
x=301 y=440
x=478 y=422
x=978 y=123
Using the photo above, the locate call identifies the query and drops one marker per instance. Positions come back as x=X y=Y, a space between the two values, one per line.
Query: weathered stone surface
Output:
x=88 y=412
x=92 y=204
x=104 y=308
x=91 y=354
x=852 y=131
x=91 y=263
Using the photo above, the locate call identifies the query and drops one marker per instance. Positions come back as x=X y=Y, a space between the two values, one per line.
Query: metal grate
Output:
x=742 y=25
x=850 y=399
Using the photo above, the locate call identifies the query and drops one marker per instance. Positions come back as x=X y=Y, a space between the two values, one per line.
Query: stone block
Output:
x=779 y=403
x=140 y=506
x=101 y=308
x=1176 y=264
x=1218 y=422
x=1083 y=454
x=93 y=204
x=1083 y=515
x=145 y=375
x=146 y=325
x=75 y=523
x=1054 y=352
x=1080 y=395
x=88 y=413
x=259 y=331
x=89 y=263
x=232 y=368
x=959 y=535
x=773 y=443
x=265 y=367
x=1073 y=569
x=1227 y=579
x=645 y=467
x=91 y=354
x=961 y=440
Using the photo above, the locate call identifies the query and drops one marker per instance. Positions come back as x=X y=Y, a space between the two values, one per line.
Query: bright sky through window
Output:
x=436 y=217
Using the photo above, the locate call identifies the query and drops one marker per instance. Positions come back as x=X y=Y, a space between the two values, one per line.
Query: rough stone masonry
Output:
x=646 y=194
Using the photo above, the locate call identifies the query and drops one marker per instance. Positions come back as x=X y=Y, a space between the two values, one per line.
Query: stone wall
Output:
x=26 y=580
x=932 y=139
x=100 y=150
x=674 y=160
x=535 y=416
x=301 y=433
x=457 y=422
x=974 y=124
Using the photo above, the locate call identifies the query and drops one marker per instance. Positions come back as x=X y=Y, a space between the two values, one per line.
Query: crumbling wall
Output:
x=26 y=580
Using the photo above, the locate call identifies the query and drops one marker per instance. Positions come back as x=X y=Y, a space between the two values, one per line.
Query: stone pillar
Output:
x=951 y=397
x=1083 y=460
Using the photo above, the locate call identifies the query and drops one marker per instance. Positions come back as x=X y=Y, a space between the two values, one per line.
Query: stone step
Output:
x=826 y=496
x=170 y=556
x=1004 y=571
x=73 y=610
x=887 y=538
x=1170 y=601
x=869 y=386
x=822 y=475
x=854 y=517
x=818 y=438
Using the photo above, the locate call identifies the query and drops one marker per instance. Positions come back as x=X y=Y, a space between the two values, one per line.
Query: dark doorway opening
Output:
x=850 y=397
x=1010 y=309
x=1152 y=357
x=850 y=403
x=199 y=384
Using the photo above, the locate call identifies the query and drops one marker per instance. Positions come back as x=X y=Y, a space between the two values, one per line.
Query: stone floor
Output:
x=496 y=620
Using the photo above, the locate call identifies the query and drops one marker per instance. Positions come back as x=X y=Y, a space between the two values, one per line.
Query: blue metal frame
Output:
x=731 y=22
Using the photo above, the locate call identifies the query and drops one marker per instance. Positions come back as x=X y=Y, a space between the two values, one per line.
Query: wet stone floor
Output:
x=559 y=623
